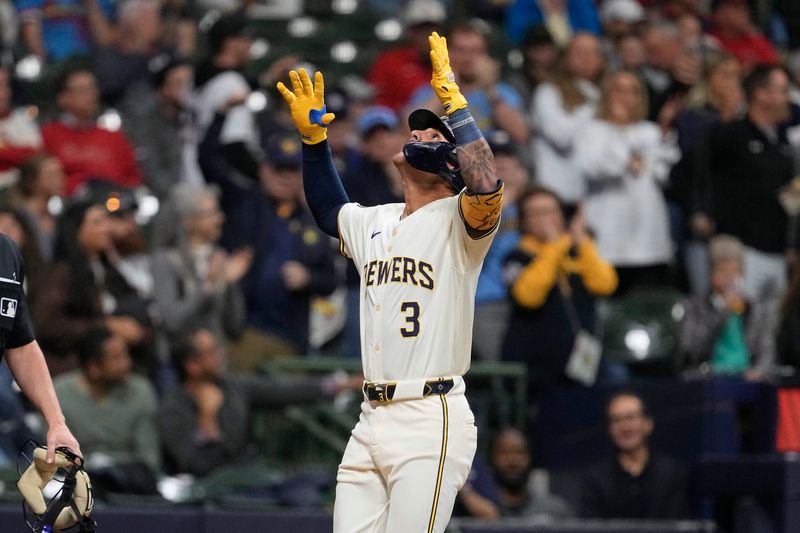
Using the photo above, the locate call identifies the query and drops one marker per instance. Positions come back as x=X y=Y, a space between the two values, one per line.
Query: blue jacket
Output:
x=523 y=14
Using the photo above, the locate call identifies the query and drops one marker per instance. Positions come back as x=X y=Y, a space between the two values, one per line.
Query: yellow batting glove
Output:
x=443 y=80
x=307 y=103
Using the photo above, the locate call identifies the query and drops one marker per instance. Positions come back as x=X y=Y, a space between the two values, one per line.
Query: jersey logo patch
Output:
x=8 y=307
x=375 y=233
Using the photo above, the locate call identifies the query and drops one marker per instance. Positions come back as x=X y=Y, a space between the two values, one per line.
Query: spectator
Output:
x=737 y=34
x=672 y=68
x=41 y=180
x=160 y=130
x=625 y=160
x=636 y=481
x=19 y=134
x=539 y=58
x=512 y=492
x=620 y=18
x=55 y=30
x=86 y=150
x=630 y=53
x=717 y=100
x=86 y=291
x=494 y=104
x=562 y=18
x=292 y=260
x=492 y=304
x=113 y=411
x=221 y=87
x=755 y=145
x=553 y=276
x=372 y=178
x=560 y=110
x=197 y=282
x=123 y=67
x=725 y=332
x=398 y=72
x=205 y=422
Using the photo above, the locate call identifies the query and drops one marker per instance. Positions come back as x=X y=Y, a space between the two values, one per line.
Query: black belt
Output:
x=384 y=392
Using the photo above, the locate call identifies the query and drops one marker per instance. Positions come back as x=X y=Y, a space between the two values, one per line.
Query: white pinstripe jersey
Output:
x=418 y=279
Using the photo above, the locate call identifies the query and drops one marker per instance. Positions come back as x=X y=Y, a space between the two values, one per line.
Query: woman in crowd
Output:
x=196 y=281
x=560 y=109
x=41 y=180
x=85 y=290
x=625 y=160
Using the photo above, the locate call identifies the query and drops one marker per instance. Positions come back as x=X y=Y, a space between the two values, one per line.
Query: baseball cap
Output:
x=227 y=26
x=422 y=119
x=282 y=150
x=376 y=116
x=537 y=36
x=500 y=142
x=419 y=12
x=623 y=10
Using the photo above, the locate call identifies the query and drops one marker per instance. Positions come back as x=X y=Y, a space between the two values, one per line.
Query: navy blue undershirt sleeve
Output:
x=323 y=187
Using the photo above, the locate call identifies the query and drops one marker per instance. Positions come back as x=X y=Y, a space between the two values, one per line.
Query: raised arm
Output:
x=474 y=155
x=323 y=187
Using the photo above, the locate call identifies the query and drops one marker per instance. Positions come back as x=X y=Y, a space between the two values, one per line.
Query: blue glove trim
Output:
x=315 y=116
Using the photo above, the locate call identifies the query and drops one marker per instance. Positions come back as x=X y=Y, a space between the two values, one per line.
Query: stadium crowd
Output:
x=152 y=179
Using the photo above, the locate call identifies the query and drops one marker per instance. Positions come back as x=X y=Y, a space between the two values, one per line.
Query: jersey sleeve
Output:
x=14 y=313
x=475 y=226
x=353 y=220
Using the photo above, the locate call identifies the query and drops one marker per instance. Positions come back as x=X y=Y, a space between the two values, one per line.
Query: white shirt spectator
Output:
x=626 y=210
x=17 y=130
x=553 y=143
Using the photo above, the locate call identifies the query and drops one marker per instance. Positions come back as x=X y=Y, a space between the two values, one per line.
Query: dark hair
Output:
x=61 y=81
x=631 y=393
x=536 y=190
x=29 y=172
x=183 y=350
x=758 y=79
x=160 y=76
x=90 y=346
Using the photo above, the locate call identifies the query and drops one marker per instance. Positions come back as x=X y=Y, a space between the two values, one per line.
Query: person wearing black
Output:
x=744 y=165
x=22 y=353
x=635 y=482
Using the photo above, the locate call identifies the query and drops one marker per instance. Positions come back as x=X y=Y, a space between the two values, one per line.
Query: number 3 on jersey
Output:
x=411 y=329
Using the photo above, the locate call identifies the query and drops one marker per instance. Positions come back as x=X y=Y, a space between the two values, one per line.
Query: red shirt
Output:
x=750 y=49
x=396 y=74
x=92 y=152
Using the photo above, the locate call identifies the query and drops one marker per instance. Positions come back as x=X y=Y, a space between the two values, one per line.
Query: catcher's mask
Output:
x=435 y=157
x=71 y=502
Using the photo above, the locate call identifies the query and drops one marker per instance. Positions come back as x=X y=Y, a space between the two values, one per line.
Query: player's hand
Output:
x=307 y=104
x=59 y=435
x=443 y=80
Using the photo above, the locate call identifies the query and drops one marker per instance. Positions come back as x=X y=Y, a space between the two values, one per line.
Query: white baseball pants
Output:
x=404 y=464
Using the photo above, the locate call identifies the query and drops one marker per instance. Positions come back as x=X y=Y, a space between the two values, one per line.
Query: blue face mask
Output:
x=437 y=158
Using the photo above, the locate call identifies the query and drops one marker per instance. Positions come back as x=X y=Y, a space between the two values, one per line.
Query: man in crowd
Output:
x=746 y=162
x=511 y=491
x=636 y=481
x=113 y=412
x=205 y=422
x=86 y=150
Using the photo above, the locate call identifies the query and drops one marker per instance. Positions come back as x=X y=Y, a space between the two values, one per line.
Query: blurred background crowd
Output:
x=152 y=179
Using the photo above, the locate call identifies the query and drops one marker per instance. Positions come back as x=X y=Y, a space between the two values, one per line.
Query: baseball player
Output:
x=419 y=261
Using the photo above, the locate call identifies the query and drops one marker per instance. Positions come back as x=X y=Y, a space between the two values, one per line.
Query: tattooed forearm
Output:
x=477 y=166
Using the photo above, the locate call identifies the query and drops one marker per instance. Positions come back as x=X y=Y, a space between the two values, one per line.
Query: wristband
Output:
x=464 y=127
